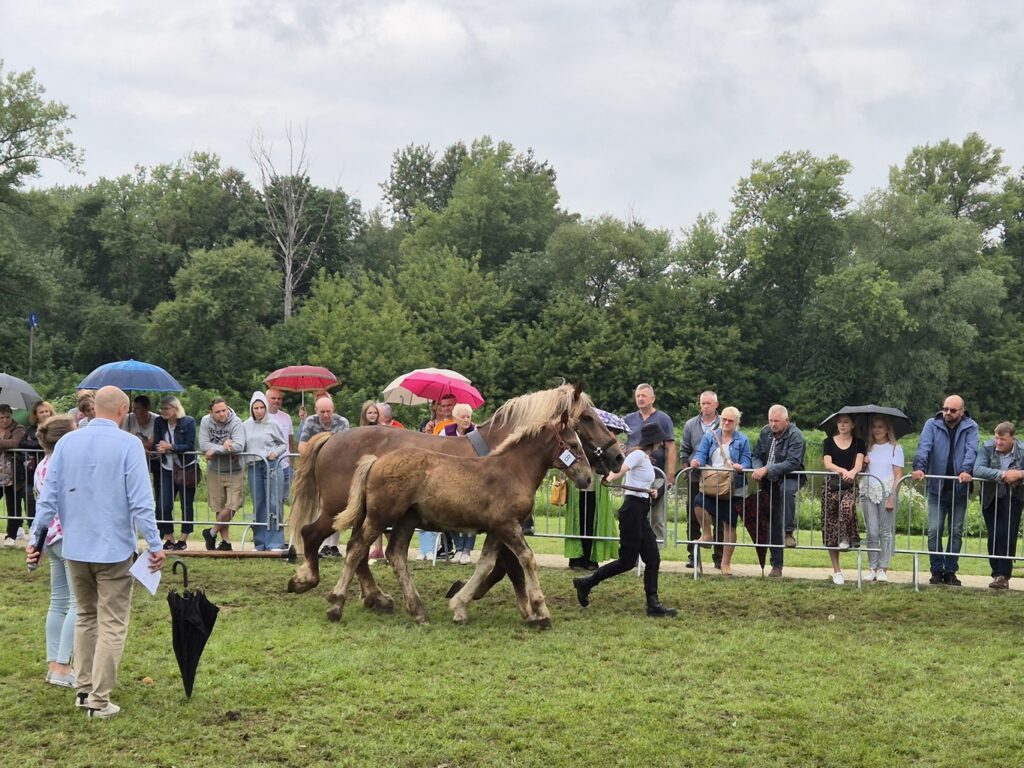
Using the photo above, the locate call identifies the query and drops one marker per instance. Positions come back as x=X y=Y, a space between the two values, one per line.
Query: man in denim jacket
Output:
x=948 y=447
x=779 y=452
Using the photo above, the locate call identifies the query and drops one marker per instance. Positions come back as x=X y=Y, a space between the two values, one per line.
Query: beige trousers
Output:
x=104 y=595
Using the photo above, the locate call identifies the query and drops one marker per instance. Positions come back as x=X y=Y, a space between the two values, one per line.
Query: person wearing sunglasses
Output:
x=946 y=453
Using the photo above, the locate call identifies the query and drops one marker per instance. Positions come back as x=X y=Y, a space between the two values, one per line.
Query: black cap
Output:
x=652 y=433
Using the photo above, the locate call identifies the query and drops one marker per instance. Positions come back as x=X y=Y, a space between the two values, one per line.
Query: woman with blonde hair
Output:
x=884 y=464
x=174 y=438
x=724 y=451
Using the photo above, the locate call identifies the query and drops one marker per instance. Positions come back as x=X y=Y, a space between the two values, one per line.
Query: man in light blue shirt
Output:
x=98 y=482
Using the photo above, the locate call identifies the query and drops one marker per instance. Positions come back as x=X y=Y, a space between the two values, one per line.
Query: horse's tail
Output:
x=356 y=509
x=305 y=494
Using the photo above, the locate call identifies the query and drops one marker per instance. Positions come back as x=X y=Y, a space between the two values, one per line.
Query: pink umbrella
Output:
x=435 y=385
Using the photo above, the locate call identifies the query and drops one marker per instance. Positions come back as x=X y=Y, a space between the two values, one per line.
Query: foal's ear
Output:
x=577 y=389
x=565 y=418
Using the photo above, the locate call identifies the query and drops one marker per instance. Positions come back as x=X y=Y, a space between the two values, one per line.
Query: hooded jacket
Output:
x=933 y=450
x=212 y=437
x=262 y=437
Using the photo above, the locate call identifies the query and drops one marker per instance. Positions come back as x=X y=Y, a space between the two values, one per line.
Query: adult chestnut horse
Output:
x=322 y=480
x=417 y=488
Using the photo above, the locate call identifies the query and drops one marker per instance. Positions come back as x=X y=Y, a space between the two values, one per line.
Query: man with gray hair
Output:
x=324 y=420
x=779 y=452
x=98 y=482
x=664 y=458
x=694 y=430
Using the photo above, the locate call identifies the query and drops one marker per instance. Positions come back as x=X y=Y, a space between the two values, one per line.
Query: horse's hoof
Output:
x=298 y=587
x=422 y=621
x=455 y=588
x=541 y=624
x=380 y=602
x=334 y=614
x=334 y=598
x=461 y=621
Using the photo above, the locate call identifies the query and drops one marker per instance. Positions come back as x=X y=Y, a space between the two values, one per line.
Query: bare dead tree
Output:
x=285 y=199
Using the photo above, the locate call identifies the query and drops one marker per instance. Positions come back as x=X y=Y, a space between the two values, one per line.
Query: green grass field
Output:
x=752 y=673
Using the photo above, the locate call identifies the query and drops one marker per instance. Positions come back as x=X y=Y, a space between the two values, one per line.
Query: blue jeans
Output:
x=60 y=618
x=952 y=507
x=265 y=489
x=464 y=541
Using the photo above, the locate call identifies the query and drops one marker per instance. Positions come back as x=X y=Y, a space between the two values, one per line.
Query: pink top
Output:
x=54 y=532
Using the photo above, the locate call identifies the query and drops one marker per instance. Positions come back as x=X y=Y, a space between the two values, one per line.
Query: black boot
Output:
x=583 y=586
x=654 y=608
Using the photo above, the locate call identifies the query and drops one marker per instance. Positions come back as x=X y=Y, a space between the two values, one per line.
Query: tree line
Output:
x=801 y=294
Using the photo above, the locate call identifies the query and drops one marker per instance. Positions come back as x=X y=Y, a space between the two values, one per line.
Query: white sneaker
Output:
x=881 y=576
x=108 y=711
x=9 y=542
x=844 y=545
x=870 y=576
x=21 y=534
x=837 y=579
x=422 y=556
x=465 y=559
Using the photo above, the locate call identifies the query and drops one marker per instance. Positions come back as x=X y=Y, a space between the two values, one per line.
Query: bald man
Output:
x=98 y=482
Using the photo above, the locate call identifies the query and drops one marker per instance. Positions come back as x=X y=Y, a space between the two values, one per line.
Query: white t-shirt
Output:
x=284 y=421
x=882 y=457
x=639 y=473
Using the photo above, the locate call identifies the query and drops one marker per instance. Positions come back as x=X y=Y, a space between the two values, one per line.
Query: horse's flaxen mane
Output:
x=529 y=414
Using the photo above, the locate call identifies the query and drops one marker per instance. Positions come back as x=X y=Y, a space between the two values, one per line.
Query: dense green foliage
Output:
x=801 y=295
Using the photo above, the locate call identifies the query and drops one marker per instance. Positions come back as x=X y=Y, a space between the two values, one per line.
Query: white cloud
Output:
x=651 y=107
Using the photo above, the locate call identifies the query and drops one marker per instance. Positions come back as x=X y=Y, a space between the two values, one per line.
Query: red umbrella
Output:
x=435 y=385
x=302 y=378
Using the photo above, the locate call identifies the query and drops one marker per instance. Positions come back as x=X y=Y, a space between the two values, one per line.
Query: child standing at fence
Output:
x=884 y=465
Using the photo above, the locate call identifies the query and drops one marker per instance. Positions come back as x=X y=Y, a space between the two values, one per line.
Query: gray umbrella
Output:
x=17 y=393
x=862 y=414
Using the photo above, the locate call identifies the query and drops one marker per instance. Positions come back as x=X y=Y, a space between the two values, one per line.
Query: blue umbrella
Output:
x=613 y=422
x=131 y=375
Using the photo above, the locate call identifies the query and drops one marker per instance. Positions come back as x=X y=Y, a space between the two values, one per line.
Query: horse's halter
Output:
x=600 y=449
x=565 y=446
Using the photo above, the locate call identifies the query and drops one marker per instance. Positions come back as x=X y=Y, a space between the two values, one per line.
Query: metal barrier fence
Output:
x=256 y=485
x=925 y=512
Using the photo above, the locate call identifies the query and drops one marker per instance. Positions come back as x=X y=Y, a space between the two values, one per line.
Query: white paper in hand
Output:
x=140 y=570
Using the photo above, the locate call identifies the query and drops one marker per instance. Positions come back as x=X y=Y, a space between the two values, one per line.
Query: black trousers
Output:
x=636 y=539
x=588 y=508
x=13 y=497
x=1002 y=518
x=694 y=530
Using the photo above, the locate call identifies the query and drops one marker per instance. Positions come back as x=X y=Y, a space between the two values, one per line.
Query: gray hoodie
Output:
x=262 y=437
x=212 y=437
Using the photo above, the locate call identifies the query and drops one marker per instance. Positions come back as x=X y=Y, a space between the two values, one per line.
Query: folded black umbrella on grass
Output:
x=192 y=620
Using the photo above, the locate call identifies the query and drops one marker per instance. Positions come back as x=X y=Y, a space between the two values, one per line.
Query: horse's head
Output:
x=602 y=447
x=569 y=455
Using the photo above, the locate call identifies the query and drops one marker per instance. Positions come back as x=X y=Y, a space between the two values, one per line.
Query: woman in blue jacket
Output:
x=727 y=450
x=174 y=438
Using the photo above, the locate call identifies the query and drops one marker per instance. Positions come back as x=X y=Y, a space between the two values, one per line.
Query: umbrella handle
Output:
x=184 y=571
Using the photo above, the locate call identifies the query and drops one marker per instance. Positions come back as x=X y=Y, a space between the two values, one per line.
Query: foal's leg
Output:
x=460 y=600
x=358 y=548
x=512 y=536
x=373 y=596
x=398 y=555
x=307 y=575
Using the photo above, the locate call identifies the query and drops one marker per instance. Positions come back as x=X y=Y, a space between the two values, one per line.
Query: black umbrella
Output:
x=192 y=620
x=862 y=414
x=756 y=511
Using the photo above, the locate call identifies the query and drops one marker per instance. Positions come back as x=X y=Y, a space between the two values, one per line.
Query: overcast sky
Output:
x=644 y=108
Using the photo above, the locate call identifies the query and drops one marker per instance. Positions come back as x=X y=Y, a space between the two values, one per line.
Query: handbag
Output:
x=187 y=477
x=717 y=482
x=558 y=492
x=836 y=483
